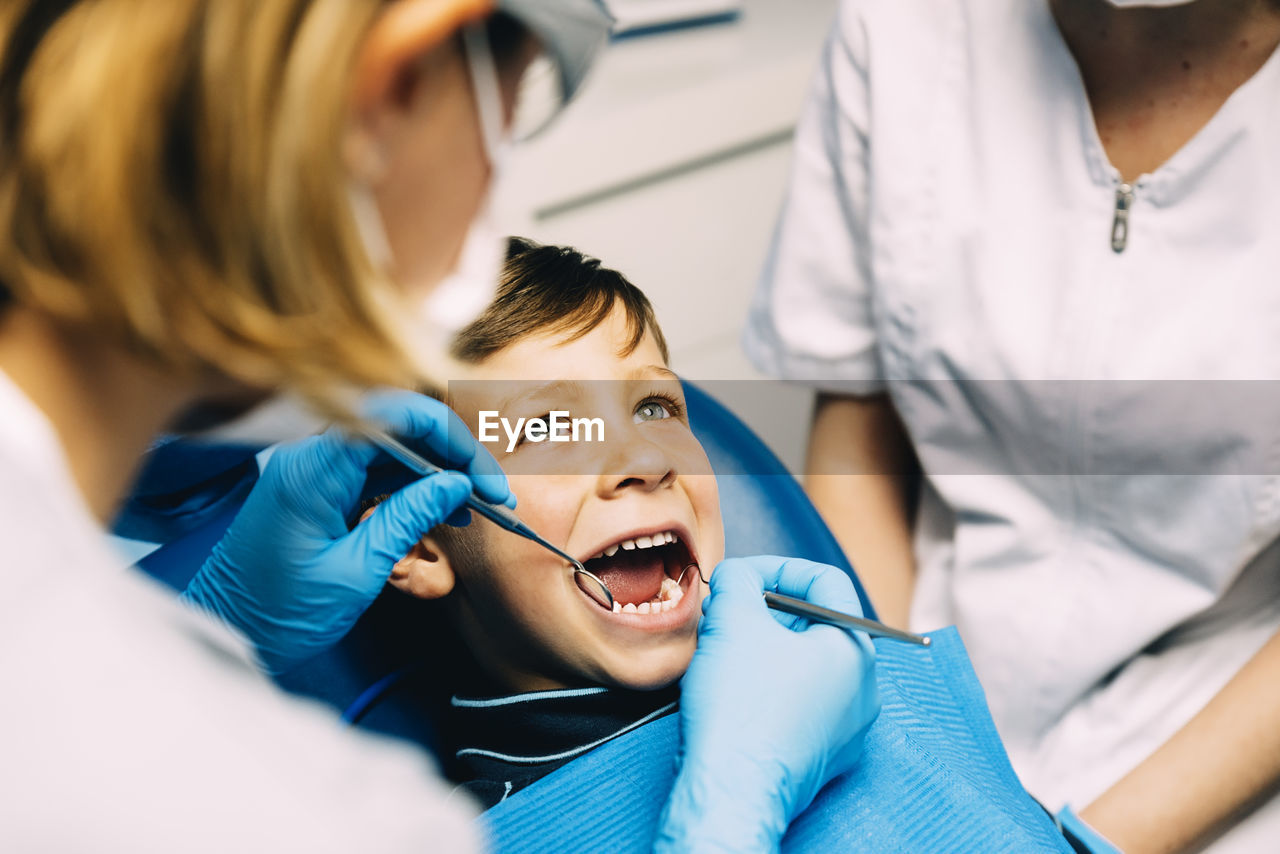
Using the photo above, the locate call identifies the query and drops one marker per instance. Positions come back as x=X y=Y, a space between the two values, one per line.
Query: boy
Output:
x=555 y=672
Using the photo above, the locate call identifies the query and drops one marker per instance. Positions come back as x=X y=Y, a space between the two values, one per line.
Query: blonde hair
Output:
x=171 y=175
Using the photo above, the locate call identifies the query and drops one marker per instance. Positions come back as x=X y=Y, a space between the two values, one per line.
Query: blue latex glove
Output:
x=772 y=708
x=289 y=574
x=1081 y=836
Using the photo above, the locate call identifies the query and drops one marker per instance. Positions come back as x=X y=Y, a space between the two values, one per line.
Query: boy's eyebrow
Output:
x=663 y=371
x=556 y=387
x=574 y=387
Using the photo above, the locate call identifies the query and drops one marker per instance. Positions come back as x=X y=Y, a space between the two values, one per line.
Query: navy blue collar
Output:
x=501 y=744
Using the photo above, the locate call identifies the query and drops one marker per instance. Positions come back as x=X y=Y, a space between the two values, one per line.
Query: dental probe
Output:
x=495 y=513
x=818 y=614
x=839 y=619
x=596 y=588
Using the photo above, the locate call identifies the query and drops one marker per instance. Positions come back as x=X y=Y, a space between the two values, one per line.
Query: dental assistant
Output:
x=1030 y=247
x=208 y=202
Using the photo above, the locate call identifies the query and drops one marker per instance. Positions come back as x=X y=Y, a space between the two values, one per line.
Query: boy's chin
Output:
x=655 y=683
x=649 y=676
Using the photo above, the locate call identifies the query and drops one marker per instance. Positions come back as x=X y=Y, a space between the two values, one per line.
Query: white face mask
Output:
x=468 y=289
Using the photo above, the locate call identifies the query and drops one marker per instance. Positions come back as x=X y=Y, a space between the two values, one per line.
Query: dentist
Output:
x=207 y=202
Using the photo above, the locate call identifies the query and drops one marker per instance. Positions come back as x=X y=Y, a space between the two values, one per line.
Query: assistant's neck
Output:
x=1145 y=36
x=1156 y=76
x=105 y=405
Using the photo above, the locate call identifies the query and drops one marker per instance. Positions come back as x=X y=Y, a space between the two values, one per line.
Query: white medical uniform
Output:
x=129 y=724
x=1102 y=504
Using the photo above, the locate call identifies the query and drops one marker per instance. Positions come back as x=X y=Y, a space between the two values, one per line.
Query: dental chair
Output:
x=189 y=493
x=933 y=777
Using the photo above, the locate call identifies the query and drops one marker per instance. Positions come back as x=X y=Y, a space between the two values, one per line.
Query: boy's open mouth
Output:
x=643 y=572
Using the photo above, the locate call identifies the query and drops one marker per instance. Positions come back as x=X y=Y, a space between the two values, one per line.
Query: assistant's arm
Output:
x=861 y=473
x=1224 y=760
x=814 y=320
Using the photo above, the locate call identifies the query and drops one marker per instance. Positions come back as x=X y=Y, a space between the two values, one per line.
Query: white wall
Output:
x=670 y=167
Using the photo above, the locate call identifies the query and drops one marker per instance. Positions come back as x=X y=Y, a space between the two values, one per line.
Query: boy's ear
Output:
x=425 y=572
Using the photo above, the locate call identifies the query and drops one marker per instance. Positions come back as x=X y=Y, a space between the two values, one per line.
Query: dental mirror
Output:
x=591 y=584
x=498 y=514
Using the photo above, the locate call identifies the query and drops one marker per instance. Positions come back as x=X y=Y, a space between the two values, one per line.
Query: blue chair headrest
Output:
x=765 y=510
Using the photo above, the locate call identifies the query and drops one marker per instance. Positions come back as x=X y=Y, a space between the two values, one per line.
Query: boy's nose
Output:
x=638 y=464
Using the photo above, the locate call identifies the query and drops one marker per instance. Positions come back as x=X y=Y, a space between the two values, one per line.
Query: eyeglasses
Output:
x=528 y=60
x=516 y=86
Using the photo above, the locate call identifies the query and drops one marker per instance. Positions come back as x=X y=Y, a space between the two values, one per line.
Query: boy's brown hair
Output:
x=555 y=289
x=545 y=288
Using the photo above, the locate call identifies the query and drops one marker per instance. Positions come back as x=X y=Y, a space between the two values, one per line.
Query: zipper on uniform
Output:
x=1120 y=223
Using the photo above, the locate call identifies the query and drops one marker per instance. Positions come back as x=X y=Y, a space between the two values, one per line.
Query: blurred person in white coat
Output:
x=1028 y=255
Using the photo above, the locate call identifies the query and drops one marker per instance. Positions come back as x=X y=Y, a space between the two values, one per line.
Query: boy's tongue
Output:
x=632 y=576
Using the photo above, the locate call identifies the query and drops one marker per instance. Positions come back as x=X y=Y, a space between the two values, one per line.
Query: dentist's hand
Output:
x=289 y=574
x=772 y=708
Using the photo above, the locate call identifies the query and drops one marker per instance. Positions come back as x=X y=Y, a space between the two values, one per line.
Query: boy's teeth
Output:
x=648 y=542
x=669 y=596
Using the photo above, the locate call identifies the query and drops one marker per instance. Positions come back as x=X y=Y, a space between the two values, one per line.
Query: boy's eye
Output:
x=653 y=410
x=521 y=440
